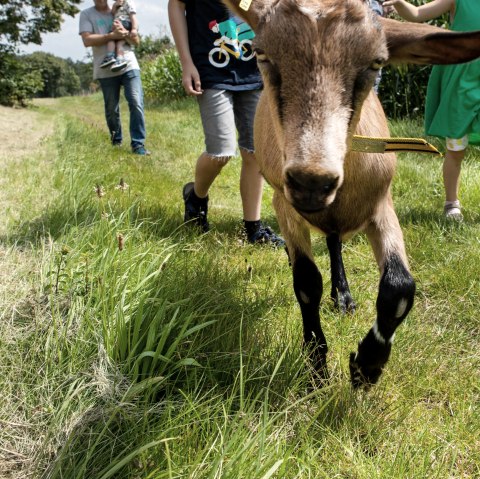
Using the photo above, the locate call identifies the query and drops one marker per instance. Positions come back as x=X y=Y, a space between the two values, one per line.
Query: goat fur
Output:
x=319 y=59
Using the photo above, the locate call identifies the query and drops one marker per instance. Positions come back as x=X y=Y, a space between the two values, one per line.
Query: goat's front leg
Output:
x=340 y=293
x=307 y=281
x=394 y=301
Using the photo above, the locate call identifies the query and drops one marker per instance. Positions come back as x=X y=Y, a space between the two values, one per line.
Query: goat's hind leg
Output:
x=340 y=293
x=394 y=301
x=307 y=282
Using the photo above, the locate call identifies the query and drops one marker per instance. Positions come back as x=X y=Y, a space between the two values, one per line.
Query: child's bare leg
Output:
x=208 y=167
x=119 y=48
x=110 y=56
x=111 y=46
x=451 y=176
x=251 y=186
x=451 y=173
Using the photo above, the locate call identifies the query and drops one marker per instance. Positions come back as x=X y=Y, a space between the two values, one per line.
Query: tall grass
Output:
x=142 y=350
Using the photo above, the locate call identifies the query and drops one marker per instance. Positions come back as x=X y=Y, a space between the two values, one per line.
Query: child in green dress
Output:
x=453 y=96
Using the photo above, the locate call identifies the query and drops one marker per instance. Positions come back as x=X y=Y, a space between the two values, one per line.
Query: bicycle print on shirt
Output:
x=235 y=40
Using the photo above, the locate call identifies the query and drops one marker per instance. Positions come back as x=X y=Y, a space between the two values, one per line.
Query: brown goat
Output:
x=319 y=60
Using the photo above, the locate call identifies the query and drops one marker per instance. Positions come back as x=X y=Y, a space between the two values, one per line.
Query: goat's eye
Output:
x=377 y=64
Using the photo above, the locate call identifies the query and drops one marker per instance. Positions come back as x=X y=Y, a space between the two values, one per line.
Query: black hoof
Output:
x=318 y=362
x=344 y=303
x=363 y=376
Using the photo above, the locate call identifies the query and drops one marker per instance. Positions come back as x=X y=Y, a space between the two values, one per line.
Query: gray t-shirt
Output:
x=93 y=21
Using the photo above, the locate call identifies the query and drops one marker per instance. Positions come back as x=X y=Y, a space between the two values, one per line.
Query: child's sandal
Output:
x=452 y=210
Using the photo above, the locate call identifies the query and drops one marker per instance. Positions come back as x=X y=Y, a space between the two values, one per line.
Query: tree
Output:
x=17 y=82
x=58 y=75
x=84 y=72
x=24 y=21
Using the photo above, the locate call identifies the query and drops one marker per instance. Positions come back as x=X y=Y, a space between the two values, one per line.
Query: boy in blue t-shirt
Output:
x=220 y=70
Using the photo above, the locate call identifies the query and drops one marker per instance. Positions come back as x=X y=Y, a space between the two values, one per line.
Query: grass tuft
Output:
x=133 y=348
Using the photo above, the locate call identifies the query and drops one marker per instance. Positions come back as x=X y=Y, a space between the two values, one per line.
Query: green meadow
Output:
x=133 y=348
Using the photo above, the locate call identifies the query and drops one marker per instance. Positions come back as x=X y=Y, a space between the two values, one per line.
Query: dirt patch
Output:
x=23 y=163
x=21 y=131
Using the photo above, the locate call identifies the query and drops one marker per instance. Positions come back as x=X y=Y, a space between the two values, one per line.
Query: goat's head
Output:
x=319 y=60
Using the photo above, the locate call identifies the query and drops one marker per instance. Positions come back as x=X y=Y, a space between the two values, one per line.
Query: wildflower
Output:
x=120 y=241
x=99 y=190
x=122 y=185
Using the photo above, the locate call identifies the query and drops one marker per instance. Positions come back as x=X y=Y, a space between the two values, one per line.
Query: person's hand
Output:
x=191 y=81
x=119 y=30
x=387 y=10
x=390 y=3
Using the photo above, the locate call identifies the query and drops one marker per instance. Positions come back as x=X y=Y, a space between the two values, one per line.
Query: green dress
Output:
x=453 y=95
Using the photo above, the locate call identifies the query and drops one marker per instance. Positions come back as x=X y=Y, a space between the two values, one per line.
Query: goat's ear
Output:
x=251 y=11
x=425 y=44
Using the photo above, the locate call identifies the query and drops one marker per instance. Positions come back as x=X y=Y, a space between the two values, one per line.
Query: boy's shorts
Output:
x=224 y=112
x=457 y=144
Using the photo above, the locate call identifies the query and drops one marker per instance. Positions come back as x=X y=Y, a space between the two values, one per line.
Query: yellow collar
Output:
x=367 y=144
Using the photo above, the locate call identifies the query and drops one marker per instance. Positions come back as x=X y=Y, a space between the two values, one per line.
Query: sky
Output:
x=152 y=19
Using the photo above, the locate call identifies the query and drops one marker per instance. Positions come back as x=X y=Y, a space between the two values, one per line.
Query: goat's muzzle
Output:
x=310 y=192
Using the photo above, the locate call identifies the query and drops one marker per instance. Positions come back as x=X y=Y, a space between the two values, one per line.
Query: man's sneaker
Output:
x=119 y=65
x=265 y=235
x=452 y=210
x=141 y=150
x=196 y=209
x=108 y=60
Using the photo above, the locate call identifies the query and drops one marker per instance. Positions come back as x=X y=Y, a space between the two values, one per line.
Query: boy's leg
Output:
x=119 y=48
x=251 y=180
x=111 y=46
x=110 y=56
x=251 y=186
x=207 y=169
x=216 y=111
x=195 y=195
x=120 y=62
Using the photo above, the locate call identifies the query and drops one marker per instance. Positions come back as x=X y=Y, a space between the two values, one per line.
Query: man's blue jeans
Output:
x=132 y=85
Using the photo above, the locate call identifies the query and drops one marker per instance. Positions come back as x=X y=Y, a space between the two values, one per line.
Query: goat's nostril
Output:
x=293 y=182
x=328 y=187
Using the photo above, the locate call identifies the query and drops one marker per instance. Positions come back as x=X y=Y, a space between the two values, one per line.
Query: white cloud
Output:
x=152 y=19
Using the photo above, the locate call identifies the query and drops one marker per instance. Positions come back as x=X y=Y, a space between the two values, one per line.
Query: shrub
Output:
x=403 y=88
x=162 y=77
x=151 y=46
x=18 y=84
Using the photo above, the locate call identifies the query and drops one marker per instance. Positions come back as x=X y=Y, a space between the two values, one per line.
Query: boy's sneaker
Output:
x=264 y=235
x=108 y=60
x=119 y=65
x=196 y=209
